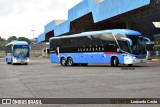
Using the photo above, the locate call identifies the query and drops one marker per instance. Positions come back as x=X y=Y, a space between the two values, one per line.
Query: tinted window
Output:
x=9 y=49
x=54 y=43
x=123 y=44
x=93 y=40
x=108 y=39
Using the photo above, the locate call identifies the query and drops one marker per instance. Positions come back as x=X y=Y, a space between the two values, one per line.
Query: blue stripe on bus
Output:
x=91 y=58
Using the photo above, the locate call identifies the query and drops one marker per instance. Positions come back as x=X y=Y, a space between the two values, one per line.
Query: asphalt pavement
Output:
x=42 y=79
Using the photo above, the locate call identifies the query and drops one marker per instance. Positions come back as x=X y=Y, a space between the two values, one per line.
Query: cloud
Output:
x=6 y=8
x=19 y=17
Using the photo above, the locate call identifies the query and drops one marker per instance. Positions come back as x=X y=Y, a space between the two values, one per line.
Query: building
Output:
x=92 y=15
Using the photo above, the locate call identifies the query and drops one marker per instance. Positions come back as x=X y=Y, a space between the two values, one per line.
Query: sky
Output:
x=20 y=17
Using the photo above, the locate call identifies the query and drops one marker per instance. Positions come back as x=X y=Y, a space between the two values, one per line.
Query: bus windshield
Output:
x=21 y=51
x=139 y=46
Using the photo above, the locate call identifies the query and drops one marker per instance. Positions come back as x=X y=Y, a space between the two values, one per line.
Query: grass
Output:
x=2 y=54
x=35 y=53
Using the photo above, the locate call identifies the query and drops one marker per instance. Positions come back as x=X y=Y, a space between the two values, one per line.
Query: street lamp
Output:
x=33 y=33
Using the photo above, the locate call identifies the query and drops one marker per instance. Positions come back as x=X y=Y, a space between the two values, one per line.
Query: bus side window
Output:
x=89 y=40
x=109 y=39
x=97 y=40
x=75 y=41
x=93 y=40
x=8 y=49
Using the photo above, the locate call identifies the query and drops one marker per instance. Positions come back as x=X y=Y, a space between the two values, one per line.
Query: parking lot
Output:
x=42 y=79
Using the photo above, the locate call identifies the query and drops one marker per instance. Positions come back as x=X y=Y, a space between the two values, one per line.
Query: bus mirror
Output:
x=147 y=39
x=129 y=40
x=30 y=49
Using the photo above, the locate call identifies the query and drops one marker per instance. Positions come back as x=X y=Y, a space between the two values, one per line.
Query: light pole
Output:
x=33 y=40
x=33 y=33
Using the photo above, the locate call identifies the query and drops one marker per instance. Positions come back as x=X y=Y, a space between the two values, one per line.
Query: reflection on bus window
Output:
x=21 y=52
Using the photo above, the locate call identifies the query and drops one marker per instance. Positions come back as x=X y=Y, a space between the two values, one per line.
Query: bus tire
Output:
x=70 y=62
x=114 y=62
x=63 y=62
x=130 y=65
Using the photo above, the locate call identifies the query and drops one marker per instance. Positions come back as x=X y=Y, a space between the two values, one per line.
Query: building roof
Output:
x=100 y=11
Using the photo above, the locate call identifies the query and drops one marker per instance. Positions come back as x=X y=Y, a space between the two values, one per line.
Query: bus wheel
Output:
x=130 y=65
x=63 y=61
x=69 y=62
x=114 y=62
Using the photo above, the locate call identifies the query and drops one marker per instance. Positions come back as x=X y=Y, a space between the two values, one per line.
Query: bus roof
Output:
x=123 y=31
x=18 y=43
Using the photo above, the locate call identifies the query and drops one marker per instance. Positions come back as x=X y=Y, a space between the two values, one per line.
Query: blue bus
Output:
x=17 y=52
x=117 y=46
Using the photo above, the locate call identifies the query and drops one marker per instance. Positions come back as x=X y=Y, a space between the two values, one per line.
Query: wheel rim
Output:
x=115 y=62
x=63 y=62
x=70 y=62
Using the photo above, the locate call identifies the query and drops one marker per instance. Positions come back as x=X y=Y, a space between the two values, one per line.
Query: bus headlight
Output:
x=130 y=57
x=27 y=60
x=133 y=57
x=14 y=60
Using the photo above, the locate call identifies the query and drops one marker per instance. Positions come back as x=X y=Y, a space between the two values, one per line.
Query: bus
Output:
x=114 y=47
x=17 y=52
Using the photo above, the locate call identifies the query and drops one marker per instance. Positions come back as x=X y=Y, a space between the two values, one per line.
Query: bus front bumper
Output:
x=20 y=61
x=134 y=60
